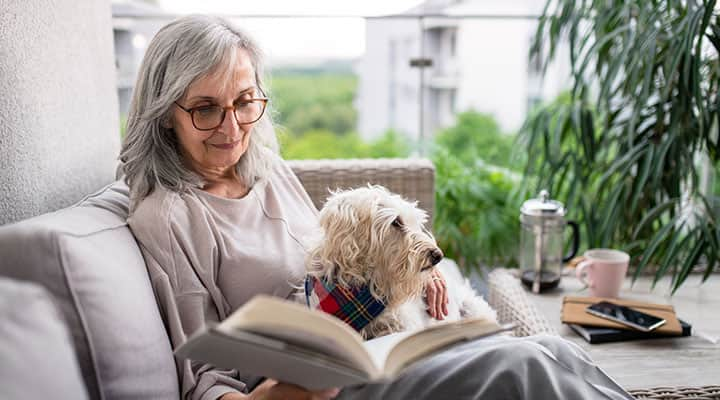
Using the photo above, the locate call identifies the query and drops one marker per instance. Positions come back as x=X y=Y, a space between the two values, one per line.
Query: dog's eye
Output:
x=397 y=222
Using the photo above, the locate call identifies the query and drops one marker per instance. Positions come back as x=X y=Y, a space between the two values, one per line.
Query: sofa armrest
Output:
x=413 y=178
x=512 y=304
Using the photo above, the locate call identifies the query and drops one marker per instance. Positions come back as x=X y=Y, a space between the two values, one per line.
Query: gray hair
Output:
x=180 y=53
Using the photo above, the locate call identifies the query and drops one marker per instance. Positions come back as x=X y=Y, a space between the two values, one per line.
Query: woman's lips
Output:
x=225 y=146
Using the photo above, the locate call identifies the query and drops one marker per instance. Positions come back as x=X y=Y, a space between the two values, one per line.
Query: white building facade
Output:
x=478 y=51
x=132 y=32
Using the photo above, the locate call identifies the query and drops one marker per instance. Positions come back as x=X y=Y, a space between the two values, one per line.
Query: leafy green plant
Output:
x=310 y=101
x=477 y=192
x=478 y=136
x=325 y=144
x=644 y=103
x=476 y=212
x=123 y=125
x=390 y=145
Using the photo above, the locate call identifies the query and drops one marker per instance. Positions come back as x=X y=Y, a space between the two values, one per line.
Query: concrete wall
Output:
x=59 y=132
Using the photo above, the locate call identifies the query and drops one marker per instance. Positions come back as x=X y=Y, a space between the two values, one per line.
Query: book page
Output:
x=380 y=348
x=298 y=325
x=422 y=343
x=327 y=347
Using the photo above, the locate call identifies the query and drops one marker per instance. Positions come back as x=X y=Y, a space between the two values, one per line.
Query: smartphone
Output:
x=626 y=316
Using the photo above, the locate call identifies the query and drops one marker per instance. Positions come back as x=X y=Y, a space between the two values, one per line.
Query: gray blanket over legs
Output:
x=500 y=367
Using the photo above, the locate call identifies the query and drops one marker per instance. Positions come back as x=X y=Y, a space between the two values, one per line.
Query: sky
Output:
x=299 y=39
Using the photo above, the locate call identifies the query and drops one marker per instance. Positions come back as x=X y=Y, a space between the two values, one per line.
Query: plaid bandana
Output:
x=356 y=307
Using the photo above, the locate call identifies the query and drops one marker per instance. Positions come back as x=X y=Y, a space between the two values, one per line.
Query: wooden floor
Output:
x=692 y=361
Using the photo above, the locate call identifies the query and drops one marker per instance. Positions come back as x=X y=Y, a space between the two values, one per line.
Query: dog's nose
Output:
x=435 y=256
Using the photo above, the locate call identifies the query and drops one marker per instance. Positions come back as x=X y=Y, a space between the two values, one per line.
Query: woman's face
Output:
x=214 y=153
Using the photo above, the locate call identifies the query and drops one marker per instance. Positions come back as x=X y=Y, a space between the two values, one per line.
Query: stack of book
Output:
x=599 y=330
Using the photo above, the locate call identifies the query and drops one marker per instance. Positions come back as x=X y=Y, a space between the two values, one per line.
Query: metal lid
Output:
x=543 y=206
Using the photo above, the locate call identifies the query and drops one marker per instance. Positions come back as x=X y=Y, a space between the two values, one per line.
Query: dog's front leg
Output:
x=385 y=323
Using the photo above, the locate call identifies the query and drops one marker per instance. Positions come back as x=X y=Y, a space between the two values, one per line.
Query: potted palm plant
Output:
x=624 y=147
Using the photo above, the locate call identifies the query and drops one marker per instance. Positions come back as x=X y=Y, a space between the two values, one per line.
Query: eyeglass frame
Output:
x=192 y=110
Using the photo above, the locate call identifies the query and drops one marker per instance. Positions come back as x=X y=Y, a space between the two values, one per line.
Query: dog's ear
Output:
x=346 y=231
x=337 y=214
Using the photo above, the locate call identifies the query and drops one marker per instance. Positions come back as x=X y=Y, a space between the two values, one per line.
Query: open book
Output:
x=289 y=342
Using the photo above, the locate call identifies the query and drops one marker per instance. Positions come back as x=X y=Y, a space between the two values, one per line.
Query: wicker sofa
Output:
x=84 y=262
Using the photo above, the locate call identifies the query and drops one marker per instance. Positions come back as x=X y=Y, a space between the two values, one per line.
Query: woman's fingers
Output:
x=286 y=391
x=442 y=294
x=436 y=295
x=445 y=296
x=445 y=302
x=440 y=299
x=431 y=297
x=327 y=394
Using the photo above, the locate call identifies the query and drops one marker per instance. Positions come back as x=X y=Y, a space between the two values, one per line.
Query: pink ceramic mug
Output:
x=605 y=270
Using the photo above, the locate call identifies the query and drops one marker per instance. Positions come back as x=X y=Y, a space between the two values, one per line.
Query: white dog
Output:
x=376 y=240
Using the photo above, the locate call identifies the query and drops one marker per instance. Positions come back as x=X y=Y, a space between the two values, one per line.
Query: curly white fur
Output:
x=371 y=236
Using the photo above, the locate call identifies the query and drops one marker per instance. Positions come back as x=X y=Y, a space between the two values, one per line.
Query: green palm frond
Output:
x=621 y=148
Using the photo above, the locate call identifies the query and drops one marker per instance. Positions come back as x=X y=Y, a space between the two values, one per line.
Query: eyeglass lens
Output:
x=212 y=116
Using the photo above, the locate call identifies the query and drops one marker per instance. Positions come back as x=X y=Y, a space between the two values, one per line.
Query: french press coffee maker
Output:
x=542 y=242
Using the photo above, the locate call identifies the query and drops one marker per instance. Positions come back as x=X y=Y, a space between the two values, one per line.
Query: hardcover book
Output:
x=595 y=334
x=289 y=342
x=574 y=312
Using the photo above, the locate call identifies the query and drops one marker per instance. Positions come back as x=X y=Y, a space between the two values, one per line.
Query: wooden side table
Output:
x=683 y=361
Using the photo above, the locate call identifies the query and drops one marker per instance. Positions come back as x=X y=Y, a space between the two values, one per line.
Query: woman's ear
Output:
x=166 y=122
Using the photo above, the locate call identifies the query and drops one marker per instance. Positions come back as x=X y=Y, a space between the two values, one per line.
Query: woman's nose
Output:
x=230 y=123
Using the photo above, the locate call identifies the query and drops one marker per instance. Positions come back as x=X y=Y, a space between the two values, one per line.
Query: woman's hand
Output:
x=436 y=295
x=272 y=390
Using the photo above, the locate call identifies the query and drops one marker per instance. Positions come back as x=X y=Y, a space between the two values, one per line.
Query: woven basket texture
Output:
x=512 y=304
x=413 y=178
x=679 y=392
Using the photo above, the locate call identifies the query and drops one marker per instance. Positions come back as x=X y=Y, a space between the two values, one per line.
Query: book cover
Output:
x=574 y=312
x=596 y=334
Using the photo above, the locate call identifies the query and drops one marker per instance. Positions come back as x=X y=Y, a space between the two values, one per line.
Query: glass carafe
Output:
x=542 y=242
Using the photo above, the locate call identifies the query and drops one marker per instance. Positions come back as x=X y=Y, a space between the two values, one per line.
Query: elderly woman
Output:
x=220 y=218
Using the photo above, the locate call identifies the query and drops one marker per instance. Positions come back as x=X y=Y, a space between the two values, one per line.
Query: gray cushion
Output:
x=88 y=260
x=37 y=356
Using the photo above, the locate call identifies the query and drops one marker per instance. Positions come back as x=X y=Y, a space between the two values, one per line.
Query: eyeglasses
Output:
x=209 y=117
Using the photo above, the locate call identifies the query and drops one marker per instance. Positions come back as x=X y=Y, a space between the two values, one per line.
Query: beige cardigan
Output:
x=207 y=255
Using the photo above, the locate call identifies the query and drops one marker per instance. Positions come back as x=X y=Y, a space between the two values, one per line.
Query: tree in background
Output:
x=326 y=144
x=308 y=100
x=476 y=212
x=477 y=136
x=316 y=118
x=477 y=192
